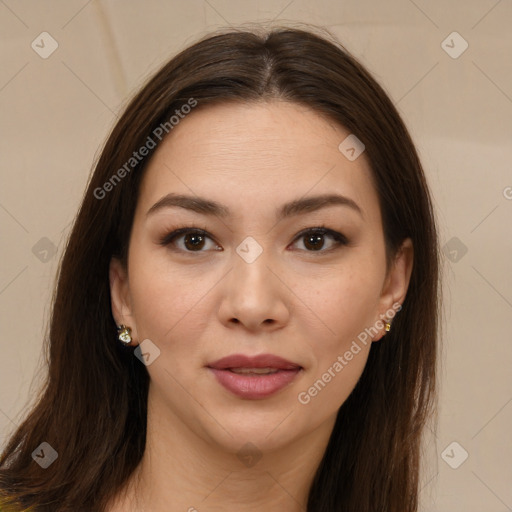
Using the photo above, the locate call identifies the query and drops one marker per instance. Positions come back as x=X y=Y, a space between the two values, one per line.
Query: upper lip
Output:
x=259 y=361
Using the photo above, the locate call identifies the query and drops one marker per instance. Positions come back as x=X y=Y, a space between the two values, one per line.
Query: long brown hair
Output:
x=92 y=409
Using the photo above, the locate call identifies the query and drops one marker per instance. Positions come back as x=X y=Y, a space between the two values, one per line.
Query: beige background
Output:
x=57 y=111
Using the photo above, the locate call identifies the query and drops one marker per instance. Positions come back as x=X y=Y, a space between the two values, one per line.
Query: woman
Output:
x=246 y=312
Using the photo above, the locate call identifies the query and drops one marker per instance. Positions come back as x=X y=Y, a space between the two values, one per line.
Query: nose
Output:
x=254 y=295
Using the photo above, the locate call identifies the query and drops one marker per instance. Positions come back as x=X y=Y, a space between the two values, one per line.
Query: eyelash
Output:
x=339 y=238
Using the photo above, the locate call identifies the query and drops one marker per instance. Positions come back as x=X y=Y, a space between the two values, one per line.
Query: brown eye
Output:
x=314 y=239
x=193 y=240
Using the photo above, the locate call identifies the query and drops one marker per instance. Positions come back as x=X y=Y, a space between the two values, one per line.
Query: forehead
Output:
x=254 y=153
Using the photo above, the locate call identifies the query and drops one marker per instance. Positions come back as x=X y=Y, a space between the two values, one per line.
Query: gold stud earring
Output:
x=124 y=334
x=388 y=327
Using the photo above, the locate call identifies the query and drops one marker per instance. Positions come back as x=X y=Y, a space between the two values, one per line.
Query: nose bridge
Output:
x=251 y=263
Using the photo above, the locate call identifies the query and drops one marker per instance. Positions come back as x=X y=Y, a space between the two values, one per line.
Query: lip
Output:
x=254 y=386
x=259 y=361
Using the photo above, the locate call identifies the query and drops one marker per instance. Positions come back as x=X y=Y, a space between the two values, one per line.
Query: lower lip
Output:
x=254 y=387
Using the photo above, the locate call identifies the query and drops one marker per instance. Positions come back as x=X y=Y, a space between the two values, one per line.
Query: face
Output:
x=265 y=265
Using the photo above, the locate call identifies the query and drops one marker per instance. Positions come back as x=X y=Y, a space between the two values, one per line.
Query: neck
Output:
x=183 y=471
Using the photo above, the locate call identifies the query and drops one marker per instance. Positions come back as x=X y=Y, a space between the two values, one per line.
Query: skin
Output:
x=304 y=305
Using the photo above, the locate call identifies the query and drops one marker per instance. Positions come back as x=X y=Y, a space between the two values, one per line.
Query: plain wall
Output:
x=57 y=111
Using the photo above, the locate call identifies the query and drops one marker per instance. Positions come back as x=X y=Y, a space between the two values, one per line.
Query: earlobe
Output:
x=119 y=294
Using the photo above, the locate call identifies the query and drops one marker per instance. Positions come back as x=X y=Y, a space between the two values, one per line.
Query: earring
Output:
x=124 y=334
x=388 y=327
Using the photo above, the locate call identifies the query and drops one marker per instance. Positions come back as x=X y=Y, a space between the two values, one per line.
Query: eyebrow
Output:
x=212 y=208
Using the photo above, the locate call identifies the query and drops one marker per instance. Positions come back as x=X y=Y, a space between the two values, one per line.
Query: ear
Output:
x=395 y=286
x=120 y=296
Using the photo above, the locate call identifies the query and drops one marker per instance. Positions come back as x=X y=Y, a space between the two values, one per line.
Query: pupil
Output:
x=195 y=240
x=314 y=239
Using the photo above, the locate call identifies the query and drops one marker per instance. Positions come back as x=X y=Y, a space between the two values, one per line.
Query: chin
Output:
x=264 y=431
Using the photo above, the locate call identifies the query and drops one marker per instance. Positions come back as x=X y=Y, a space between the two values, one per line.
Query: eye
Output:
x=313 y=239
x=194 y=240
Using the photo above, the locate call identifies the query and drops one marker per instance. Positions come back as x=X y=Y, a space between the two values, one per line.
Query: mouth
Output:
x=253 y=371
x=254 y=378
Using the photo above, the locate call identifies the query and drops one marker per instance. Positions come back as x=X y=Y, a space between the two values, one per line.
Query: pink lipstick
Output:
x=254 y=377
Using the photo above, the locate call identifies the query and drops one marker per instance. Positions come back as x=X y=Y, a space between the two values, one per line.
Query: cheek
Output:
x=343 y=302
x=340 y=346
x=329 y=385
x=165 y=298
